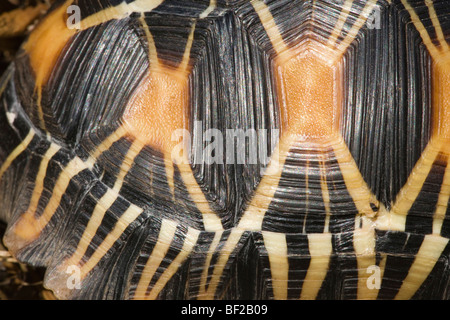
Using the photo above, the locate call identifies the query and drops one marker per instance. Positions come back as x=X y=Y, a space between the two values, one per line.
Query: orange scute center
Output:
x=158 y=108
x=307 y=95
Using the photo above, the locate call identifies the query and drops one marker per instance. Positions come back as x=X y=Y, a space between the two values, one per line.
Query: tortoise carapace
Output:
x=231 y=149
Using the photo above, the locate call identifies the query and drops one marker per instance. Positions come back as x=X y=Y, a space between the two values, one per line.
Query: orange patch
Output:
x=27 y=228
x=441 y=99
x=307 y=94
x=46 y=43
x=159 y=107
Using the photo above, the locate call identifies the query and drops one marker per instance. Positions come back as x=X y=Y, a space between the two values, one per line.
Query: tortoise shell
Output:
x=231 y=149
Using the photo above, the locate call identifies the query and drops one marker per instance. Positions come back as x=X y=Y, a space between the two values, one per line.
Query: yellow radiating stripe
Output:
x=104 y=203
x=39 y=184
x=16 y=152
x=152 y=52
x=423 y=32
x=28 y=227
x=437 y=25
x=396 y=219
x=118 y=12
x=120 y=132
x=429 y=253
x=276 y=247
x=39 y=108
x=170 y=171
x=253 y=217
x=364 y=245
x=340 y=23
x=351 y=35
x=188 y=245
x=130 y=215
x=270 y=26
x=320 y=249
x=356 y=186
x=165 y=236
x=212 y=249
x=211 y=221
x=325 y=196
x=187 y=51
x=442 y=204
x=211 y=7
x=227 y=249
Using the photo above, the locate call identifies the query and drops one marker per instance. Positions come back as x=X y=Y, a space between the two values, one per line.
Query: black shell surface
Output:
x=226 y=149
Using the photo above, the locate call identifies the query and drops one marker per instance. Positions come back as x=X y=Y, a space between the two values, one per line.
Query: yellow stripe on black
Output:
x=29 y=227
x=356 y=186
x=39 y=181
x=325 y=196
x=439 y=142
x=119 y=133
x=16 y=152
x=165 y=237
x=270 y=26
x=207 y=12
x=320 y=250
x=102 y=206
x=130 y=215
x=188 y=245
x=362 y=18
x=204 y=277
x=427 y=256
x=421 y=28
x=437 y=26
x=442 y=204
x=120 y=11
x=227 y=249
x=337 y=31
x=276 y=247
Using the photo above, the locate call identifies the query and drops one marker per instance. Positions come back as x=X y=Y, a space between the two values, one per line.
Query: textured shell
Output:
x=231 y=149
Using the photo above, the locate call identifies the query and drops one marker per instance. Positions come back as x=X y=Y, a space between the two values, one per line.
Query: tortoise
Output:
x=231 y=149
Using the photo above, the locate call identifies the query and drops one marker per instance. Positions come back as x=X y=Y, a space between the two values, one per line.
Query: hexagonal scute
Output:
x=231 y=149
